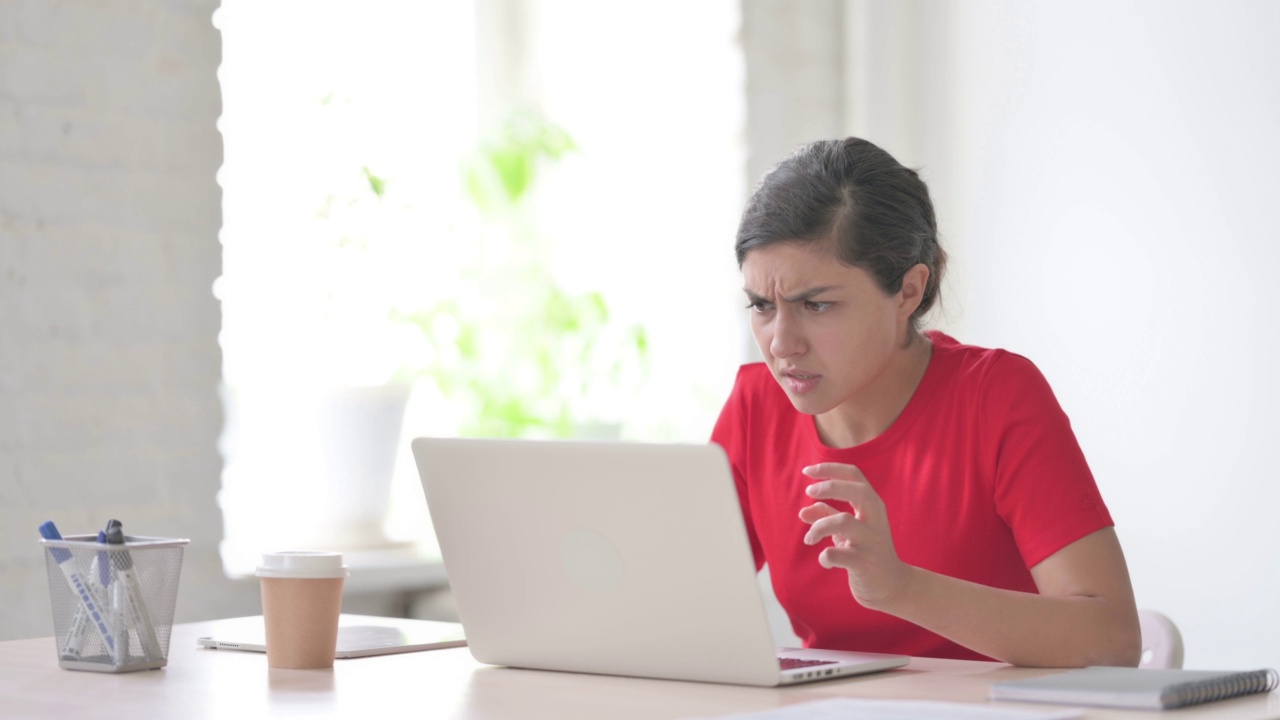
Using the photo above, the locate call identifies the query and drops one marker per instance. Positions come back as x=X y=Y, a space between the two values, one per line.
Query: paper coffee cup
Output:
x=301 y=601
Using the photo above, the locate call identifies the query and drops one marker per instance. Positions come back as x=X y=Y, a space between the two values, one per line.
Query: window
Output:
x=352 y=221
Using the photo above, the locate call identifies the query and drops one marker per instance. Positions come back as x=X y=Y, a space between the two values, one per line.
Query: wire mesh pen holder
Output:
x=113 y=604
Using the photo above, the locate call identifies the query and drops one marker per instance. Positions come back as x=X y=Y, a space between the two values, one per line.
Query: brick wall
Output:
x=109 y=220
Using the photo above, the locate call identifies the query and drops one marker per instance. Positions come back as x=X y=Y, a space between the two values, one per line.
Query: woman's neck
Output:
x=867 y=417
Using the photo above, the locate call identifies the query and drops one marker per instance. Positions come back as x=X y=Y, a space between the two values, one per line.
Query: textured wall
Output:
x=109 y=219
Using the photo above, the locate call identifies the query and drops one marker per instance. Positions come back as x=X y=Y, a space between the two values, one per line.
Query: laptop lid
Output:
x=603 y=557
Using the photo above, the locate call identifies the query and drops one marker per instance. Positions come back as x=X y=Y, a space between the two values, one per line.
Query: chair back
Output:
x=1161 y=641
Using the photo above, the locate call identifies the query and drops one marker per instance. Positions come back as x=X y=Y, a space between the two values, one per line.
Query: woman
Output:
x=910 y=494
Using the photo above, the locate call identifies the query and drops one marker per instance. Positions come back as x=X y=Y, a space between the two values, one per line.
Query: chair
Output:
x=1161 y=641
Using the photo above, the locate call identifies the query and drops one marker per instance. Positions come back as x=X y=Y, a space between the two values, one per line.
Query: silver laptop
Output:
x=609 y=557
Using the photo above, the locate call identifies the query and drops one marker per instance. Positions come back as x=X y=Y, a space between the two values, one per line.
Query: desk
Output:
x=449 y=684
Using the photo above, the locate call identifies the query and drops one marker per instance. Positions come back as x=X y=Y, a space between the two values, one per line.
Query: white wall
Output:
x=109 y=218
x=1106 y=175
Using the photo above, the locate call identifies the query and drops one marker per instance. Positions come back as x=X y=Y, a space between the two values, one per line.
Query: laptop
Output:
x=614 y=558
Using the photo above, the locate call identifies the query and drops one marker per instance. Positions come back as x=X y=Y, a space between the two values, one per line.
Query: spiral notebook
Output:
x=1135 y=688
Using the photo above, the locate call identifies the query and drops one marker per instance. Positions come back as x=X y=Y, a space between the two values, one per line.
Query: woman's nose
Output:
x=787 y=340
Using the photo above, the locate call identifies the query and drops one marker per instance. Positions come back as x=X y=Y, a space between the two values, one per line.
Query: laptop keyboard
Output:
x=789 y=663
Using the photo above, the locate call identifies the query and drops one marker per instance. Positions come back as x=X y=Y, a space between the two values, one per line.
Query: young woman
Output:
x=911 y=494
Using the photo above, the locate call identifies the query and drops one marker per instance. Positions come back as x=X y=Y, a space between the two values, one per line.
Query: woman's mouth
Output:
x=799 y=383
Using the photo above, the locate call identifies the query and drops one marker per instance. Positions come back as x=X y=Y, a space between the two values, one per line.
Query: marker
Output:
x=128 y=592
x=101 y=569
x=88 y=604
x=116 y=597
x=103 y=565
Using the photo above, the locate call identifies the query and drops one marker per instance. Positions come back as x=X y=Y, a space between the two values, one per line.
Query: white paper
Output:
x=847 y=708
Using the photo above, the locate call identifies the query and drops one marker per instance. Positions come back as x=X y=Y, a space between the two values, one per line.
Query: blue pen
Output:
x=101 y=571
x=79 y=622
x=91 y=607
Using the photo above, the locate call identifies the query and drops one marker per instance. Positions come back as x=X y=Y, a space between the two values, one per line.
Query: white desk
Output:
x=449 y=684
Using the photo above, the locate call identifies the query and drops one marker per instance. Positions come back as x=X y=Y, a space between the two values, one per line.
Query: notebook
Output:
x=846 y=708
x=358 y=635
x=608 y=557
x=1145 y=689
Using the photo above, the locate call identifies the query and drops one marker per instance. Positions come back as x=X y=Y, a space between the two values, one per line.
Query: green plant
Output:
x=521 y=355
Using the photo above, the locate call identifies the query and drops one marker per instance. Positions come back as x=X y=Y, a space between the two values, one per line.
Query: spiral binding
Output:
x=1202 y=691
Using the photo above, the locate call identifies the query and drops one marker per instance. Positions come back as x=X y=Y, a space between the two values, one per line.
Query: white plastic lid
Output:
x=302 y=564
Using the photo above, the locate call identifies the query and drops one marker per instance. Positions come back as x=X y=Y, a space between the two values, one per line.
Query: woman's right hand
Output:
x=852 y=515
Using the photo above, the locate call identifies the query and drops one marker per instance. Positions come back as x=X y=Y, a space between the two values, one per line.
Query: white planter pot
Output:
x=308 y=468
x=358 y=429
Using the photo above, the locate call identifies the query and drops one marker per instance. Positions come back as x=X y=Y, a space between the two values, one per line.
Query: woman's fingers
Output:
x=844 y=483
x=852 y=515
x=841 y=527
x=812 y=513
x=834 y=471
x=838 y=557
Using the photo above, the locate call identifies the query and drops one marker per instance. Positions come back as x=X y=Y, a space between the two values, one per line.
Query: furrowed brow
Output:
x=809 y=294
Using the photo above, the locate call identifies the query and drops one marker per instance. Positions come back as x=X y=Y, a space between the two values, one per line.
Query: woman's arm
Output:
x=1084 y=613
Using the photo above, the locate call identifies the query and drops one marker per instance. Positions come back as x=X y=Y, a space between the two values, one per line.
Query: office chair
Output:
x=1161 y=641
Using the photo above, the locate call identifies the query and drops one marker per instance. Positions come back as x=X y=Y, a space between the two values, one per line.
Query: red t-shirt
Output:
x=981 y=477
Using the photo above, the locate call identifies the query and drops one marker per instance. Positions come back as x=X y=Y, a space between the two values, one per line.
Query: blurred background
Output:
x=248 y=250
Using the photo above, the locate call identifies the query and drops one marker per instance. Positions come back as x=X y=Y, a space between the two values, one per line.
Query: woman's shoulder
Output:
x=755 y=391
x=755 y=404
x=754 y=381
x=754 y=373
x=983 y=366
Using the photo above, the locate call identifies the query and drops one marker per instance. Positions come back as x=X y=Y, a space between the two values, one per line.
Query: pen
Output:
x=128 y=592
x=80 y=621
x=90 y=607
x=117 y=599
x=100 y=570
x=103 y=565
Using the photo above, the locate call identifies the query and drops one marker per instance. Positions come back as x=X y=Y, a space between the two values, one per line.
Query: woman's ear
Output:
x=912 y=292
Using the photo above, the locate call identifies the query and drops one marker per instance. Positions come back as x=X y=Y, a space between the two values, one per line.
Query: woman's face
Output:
x=827 y=330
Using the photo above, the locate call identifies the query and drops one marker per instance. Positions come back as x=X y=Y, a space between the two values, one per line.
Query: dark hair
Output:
x=877 y=212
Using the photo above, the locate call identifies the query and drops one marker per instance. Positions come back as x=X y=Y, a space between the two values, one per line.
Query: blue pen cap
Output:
x=49 y=531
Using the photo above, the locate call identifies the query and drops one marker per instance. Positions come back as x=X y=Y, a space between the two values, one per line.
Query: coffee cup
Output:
x=301 y=601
